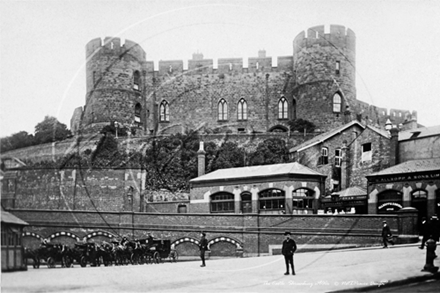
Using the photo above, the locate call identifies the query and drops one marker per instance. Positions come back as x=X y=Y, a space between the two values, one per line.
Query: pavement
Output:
x=346 y=270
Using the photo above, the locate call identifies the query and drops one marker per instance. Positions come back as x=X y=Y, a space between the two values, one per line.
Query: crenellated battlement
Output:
x=113 y=46
x=378 y=116
x=224 y=66
x=339 y=36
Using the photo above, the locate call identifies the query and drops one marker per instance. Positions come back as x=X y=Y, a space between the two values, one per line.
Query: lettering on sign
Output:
x=406 y=177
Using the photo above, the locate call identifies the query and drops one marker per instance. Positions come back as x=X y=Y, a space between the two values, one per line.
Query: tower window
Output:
x=283 y=109
x=338 y=67
x=137 y=113
x=242 y=109
x=222 y=110
x=136 y=80
x=257 y=65
x=337 y=103
x=164 y=111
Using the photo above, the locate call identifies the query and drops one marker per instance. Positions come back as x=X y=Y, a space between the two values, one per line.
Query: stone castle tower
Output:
x=315 y=83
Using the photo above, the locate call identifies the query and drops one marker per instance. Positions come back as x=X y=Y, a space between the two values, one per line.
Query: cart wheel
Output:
x=157 y=258
x=174 y=256
x=83 y=262
x=50 y=262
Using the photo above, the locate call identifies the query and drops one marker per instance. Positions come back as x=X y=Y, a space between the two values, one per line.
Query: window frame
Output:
x=323 y=159
x=338 y=157
x=164 y=111
x=337 y=103
x=137 y=80
x=366 y=156
x=222 y=110
x=307 y=196
x=242 y=110
x=222 y=205
x=138 y=113
x=271 y=202
x=283 y=108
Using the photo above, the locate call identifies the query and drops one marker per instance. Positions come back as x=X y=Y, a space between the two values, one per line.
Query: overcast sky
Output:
x=42 y=46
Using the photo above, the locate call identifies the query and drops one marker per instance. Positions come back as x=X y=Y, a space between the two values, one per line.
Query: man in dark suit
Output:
x=289 y=248
x=386 y=233
x=203 y=245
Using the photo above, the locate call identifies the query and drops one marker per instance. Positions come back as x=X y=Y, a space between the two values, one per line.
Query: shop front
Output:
x=352 y=200
x=410 y=184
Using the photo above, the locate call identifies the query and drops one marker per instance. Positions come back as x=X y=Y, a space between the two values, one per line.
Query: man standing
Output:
x=289 y=248
x=203 y=245
x=386 y=232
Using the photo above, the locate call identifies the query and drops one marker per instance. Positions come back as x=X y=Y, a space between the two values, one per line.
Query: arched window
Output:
x=222 y=202
x=337 y=103
x=283 y=109
x=302 y=199
x=222 y=110
x=272 y=200
x=137 y=113
x=242 y=109
x=136 y=80
x=164 y=111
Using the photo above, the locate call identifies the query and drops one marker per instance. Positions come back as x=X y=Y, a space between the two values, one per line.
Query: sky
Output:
x=42 y=46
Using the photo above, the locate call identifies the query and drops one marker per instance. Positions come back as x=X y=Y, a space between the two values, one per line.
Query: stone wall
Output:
x=253 y=234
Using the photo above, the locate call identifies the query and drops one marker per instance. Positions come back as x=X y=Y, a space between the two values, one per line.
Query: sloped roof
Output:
x=351 y=191
x=419 y=133
x=423 y=165
x=329 y=134
x=257 y=171
x=11 y=219
x=324 y=136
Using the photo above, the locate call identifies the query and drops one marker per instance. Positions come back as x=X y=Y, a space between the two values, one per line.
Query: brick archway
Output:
x=237 y=243
x=98 y=233
x=65 y=234
x=185 y=239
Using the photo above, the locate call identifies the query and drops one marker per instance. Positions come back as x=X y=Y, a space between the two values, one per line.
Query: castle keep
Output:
x=315 y=83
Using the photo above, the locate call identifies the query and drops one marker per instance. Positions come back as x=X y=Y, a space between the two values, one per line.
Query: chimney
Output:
x=201 y=160
x=394 y=146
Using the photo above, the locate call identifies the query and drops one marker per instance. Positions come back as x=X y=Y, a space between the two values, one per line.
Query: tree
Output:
x=301 y=125
x=50 y=130
x=270 y=151
x=17 y=140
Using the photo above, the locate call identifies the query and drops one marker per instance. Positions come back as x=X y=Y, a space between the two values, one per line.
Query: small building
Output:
x=414 y=183
x=270 y=189
x=12 y=248
x=352 y=200
x=346 y=155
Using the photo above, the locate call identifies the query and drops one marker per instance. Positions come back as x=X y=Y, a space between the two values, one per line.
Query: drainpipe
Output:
x=267 y=101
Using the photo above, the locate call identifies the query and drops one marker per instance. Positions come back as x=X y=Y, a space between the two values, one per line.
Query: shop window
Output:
x=136 y=80
x=338 y=158
x=137 y=113
x=222 y=110
x=302 y=198
x=164 y=112
x=337 y=103
x=389 y=201
x=242 y=110
x=272 y=200
x=323 y=159
x=222 y=202
x=283 y=108
x=366 y=152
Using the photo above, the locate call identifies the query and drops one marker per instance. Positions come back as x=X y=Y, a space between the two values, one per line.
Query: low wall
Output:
x=242 y=234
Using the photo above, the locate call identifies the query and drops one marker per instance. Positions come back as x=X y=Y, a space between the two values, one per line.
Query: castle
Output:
x=315 y=83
